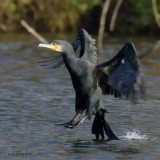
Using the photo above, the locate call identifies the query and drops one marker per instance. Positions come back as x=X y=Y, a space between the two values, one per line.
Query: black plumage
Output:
x=121 y=76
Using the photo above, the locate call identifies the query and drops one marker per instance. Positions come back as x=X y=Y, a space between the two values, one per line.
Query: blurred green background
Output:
x=134 y=17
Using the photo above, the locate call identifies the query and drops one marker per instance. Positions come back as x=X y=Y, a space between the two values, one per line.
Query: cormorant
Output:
x=120 y=76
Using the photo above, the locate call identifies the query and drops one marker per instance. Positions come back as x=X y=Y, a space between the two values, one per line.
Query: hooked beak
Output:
x=54 y=47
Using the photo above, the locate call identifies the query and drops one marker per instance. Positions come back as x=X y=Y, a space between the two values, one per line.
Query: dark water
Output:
x=33 y=99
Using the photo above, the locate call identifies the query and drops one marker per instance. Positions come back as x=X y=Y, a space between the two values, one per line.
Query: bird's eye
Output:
x=53 y=44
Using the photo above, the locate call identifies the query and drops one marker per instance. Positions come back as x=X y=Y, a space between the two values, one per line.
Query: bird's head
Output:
x=58 y=46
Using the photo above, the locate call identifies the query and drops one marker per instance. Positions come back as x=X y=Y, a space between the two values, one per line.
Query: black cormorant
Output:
x=120 y=76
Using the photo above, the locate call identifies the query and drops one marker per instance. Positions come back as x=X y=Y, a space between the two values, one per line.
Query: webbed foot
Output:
x=65 y=124
x=72 y=123
x=72 y=126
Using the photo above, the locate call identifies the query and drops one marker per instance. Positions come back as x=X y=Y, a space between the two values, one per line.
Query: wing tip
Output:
x=128 y=48
x=130 y=45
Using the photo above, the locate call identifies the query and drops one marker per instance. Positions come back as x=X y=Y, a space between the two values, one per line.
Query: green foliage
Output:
x=142 y=12
x=139 y=16
x=11 y=6
x=55 y=15
x=84 y=5
x=135 y=16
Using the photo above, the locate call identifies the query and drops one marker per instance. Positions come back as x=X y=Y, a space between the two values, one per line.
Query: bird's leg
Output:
x=72 y=122
x=78 y=123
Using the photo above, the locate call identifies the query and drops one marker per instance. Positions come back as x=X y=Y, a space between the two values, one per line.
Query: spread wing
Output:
x=121 y=76
x=88 y=49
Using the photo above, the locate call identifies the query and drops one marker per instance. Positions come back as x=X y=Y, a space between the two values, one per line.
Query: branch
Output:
x=33 y=32
x=102 y=24
x=114 y=15
x=156 y=12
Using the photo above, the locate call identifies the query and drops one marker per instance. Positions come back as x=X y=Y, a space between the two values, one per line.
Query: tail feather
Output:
x=100 y=125
x=108 y=130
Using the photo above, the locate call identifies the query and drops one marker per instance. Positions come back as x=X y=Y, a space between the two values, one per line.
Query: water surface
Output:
x=33 y=99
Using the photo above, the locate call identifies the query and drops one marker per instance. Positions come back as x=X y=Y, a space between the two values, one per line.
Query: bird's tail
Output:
x=100 y=125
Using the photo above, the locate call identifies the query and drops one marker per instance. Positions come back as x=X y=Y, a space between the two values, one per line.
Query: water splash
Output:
x=134 y=135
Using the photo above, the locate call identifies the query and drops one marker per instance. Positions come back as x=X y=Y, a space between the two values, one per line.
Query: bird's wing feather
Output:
x=88 y=49
x=77 y=42
x=53 y=62
x=121 y=76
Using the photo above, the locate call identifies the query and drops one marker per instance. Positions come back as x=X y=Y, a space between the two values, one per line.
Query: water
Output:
x=33 y=99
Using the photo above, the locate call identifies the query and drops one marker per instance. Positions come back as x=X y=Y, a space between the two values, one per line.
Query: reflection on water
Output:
x=33 y=99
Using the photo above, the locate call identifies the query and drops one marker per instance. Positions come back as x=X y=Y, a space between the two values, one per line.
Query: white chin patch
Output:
x=59 y=48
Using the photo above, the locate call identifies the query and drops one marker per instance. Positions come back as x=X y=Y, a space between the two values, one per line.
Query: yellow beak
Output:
x=54 y=47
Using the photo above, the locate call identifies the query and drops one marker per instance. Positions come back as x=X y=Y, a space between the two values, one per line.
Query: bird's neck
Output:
x=69 y=55
x=69 y=58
